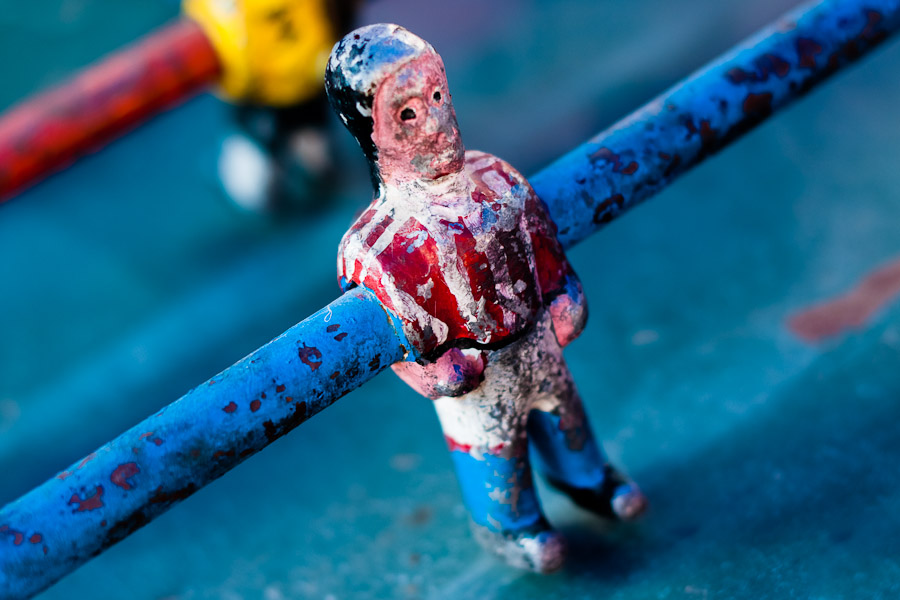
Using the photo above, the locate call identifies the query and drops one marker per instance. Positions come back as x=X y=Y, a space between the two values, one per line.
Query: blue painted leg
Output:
x=568 y=455
x=506 y=516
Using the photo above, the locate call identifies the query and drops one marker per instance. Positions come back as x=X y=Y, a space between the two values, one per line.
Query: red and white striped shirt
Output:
x=478 y=263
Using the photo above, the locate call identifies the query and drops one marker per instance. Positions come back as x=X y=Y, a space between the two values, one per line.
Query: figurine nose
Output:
x=440 y=121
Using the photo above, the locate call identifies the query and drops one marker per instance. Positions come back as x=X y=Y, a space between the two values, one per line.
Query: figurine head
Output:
x=390 y=89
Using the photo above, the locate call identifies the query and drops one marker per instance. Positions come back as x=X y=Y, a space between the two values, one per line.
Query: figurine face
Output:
x=415 y=127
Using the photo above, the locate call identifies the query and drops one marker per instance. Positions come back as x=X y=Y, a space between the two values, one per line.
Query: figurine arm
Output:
x=560 y=285
x=455 y=373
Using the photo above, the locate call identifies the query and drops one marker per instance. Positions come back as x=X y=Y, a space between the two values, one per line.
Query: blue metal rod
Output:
x=644 y=152
x=101 y=499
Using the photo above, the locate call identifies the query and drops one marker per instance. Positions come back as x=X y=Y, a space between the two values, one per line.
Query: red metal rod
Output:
x=46 y=132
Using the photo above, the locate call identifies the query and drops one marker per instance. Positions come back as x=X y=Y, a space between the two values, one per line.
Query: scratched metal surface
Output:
x=768 y=459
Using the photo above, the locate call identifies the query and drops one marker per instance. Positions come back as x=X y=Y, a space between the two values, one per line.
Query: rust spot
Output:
x=758 y=105
x=45 y=550
x=707 y=133
x=375 y=363
x=606 y=155
x=263 y=395
x=275 y=430
x=160 y=497
x=221 y=453
x=247 y=452
x=332 y=328
x=869 y=32
x=103 y=523
x=851 y=310
x=145 y=435
x=340 y=336
x=765 y=65
x=807 y=50
x=676 y=162
x=124 y=472
x=254 y=406
x=608 y=209
x=230 y=407
x=334 y=375
x=64 y=474
x=89 y=503
x=36 y=538
x=211 y=382
x=288 y=399
x=310 y=356
x=126 y=526
x=280 y=388
x=87 y=459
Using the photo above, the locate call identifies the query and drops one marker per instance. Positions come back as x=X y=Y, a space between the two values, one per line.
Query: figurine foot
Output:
x=616 y=498
x=540 y=550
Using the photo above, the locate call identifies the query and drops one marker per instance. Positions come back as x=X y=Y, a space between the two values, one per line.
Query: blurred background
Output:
x=770 y=461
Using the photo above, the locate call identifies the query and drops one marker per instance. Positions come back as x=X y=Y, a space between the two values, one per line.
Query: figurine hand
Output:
x=455 y=373
x=568 y=312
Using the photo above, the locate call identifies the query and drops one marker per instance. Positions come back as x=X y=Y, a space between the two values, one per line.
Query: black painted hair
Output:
x=358 y=64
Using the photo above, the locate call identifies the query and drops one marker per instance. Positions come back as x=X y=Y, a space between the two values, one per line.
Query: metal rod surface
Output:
x=125 y=484
x=644 y=152
x=48 y=131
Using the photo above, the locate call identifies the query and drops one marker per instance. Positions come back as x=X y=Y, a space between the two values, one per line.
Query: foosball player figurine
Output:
x=458 y=246
x=274 y=53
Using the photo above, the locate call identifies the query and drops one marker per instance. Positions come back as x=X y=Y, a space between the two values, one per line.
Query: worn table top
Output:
x=770 y=460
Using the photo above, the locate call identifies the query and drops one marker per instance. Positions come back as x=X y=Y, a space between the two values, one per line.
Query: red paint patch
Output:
x=851 y=310
x=87 y=459
x=279 y=389
x=17 y=536
x=92 y=502
x=122 y=473
x=288 y=399
x=456 y=446
x=332 y=328
x=145 y=435
x=64 y=474
x=157 y=441
x=334 y=375
x=36 y=538
x=254 y=406
x=230 y=407
x=340 y=336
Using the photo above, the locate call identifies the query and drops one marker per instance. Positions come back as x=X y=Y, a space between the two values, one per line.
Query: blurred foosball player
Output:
x=274 y=54
x=267 y=57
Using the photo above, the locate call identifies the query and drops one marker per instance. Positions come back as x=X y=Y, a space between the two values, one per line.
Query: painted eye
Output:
x=437 y=95
x=407 y=114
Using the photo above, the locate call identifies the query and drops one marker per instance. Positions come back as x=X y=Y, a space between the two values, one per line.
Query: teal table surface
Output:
x=772 y=463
